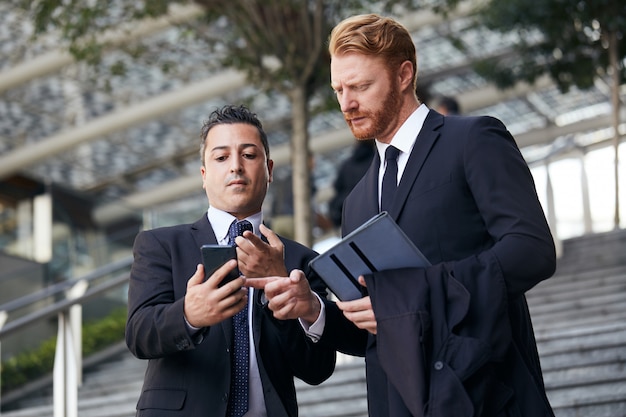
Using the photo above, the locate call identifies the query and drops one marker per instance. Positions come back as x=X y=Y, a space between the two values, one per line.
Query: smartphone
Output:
x=214 y=256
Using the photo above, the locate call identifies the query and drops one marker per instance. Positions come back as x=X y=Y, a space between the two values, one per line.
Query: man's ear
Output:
x=270 y=170
x=203 y=174
x=406 y=74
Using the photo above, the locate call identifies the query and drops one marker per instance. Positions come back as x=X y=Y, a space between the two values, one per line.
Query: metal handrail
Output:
x=67 y=372
x=60 y=306
x=61 y=287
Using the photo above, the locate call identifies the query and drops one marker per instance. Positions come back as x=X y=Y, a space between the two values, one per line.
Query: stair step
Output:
x=585 y=376
x=573 y=306
x=546 y=325
x=588 y=395
x=583 y=357
x=582 y=342
x=614 y=409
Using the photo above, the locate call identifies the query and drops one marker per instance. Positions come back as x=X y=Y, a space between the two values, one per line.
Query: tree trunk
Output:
x=615 y=102
x=301 y=166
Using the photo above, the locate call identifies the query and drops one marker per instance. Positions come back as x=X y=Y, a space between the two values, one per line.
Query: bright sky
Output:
x=568 y=200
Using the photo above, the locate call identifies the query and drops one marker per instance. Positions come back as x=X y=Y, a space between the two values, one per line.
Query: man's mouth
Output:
x=354 y=118
x=237 y=181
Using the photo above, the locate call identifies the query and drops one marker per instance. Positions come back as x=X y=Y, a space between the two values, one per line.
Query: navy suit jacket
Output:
x=190 y=376
x=455 y=338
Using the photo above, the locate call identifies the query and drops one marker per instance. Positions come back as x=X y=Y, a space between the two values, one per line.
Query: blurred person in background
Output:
x=349 y=173
x=448 y=106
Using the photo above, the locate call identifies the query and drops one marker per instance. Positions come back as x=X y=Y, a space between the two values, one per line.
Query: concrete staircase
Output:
x=112 y=388
x=109 y=389
x=579 y=317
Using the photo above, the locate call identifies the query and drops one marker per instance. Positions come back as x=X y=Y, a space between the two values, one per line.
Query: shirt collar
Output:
x=405 y=137
x=221 y=221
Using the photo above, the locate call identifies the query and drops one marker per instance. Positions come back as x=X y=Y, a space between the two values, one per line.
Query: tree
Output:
x=283 y=50
x=577 y=42
x=280 y=44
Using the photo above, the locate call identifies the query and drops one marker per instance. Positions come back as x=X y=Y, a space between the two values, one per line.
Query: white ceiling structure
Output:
x=132 y=141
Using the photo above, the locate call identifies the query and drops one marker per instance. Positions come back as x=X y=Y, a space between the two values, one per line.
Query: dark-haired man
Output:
x=186 y=326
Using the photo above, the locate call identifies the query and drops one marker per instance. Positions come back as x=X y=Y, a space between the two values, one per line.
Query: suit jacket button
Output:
x=182 y=344
x=438 y=366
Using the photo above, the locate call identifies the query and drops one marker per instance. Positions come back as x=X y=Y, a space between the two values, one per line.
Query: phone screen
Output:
x=214 y=256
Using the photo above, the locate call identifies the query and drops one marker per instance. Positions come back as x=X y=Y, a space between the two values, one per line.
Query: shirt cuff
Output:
x=314 y=331
x=196 y=333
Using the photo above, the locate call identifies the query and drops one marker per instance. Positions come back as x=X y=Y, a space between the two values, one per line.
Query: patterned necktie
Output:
x=238 y=400
x=390 y=178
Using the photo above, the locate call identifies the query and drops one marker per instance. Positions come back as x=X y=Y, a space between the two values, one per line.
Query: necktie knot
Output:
x=236 y=229
x=392 y=153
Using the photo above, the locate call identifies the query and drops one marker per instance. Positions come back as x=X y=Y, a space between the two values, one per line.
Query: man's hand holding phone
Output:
x=210 y=300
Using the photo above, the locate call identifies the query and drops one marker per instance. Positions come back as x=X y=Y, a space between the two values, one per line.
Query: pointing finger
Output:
x=259 y=283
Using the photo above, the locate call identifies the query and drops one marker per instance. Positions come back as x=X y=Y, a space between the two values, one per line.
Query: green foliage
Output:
x=76 y=19
x=78 y=23
x=566 y=39
x=293 y=31
x=28 y=365
x=32 y=364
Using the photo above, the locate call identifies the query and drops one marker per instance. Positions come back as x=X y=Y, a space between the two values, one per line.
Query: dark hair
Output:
x=450 y=104
x=230 y=114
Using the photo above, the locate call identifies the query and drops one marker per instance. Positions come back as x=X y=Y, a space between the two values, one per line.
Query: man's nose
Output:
x=235 y=163
x=347 y=102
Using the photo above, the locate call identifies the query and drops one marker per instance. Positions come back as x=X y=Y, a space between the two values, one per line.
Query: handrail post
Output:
x=551 y=209
x=67 y=372
x=3 y=319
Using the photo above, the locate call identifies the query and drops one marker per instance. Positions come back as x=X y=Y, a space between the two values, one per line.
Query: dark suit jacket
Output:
x=456 y=339
x=190 y=376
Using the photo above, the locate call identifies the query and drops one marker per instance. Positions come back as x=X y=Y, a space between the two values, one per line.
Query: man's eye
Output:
x=220 y=158
x=249 y=155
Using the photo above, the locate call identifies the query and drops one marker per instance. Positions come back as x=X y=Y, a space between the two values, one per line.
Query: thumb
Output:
x=296 y=275
x=197 y=277
x=362 y=281
x=272 y=238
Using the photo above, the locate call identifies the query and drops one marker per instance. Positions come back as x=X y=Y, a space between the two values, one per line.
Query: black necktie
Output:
x=238 y=400
x=390 y=178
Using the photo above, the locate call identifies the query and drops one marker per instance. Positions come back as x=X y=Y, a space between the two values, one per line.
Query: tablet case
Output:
x=377 y=245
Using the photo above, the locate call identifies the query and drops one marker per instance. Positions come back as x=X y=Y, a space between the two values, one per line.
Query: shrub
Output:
x=32 y=364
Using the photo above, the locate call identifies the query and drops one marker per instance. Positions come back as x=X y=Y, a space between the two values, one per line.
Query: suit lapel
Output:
x=426 y=138
x=203 y=233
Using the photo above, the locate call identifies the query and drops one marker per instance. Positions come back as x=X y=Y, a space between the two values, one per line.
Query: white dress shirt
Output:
x=220 y=222
x=404 y=140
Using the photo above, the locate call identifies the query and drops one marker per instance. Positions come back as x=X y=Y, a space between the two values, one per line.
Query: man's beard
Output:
x=381 y=119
